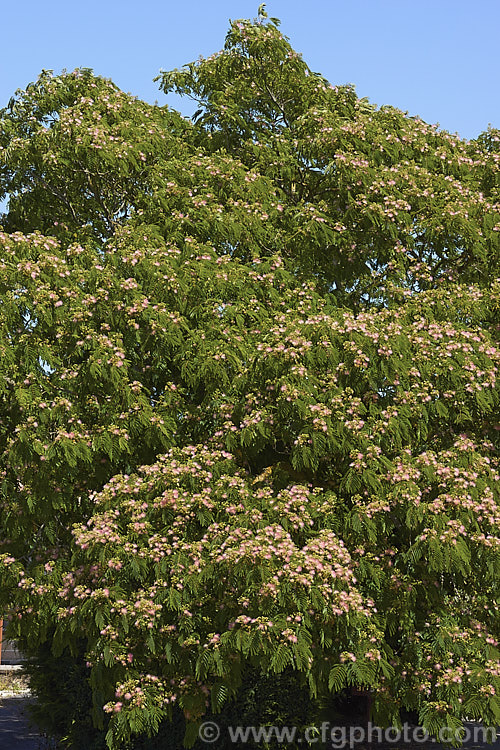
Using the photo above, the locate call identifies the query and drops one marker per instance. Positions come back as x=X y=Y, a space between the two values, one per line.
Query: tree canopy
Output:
x=249 y=390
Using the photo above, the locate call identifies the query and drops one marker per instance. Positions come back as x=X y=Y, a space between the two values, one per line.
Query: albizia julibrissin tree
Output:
x=249 y=390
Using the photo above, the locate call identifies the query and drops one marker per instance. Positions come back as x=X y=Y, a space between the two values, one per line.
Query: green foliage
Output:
x=248 y=397
x=65 y=709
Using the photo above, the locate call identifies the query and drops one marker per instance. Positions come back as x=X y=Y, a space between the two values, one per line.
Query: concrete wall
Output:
x=9 y=653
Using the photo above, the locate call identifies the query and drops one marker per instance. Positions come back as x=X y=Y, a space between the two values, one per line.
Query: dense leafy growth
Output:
x=249 y=391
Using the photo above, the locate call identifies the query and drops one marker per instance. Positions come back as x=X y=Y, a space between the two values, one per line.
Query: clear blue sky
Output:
x=435 y=58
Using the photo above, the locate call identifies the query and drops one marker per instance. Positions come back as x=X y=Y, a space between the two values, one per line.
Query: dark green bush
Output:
x=63 y=710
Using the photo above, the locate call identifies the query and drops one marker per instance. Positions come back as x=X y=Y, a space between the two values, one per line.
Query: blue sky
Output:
x=435 y=58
